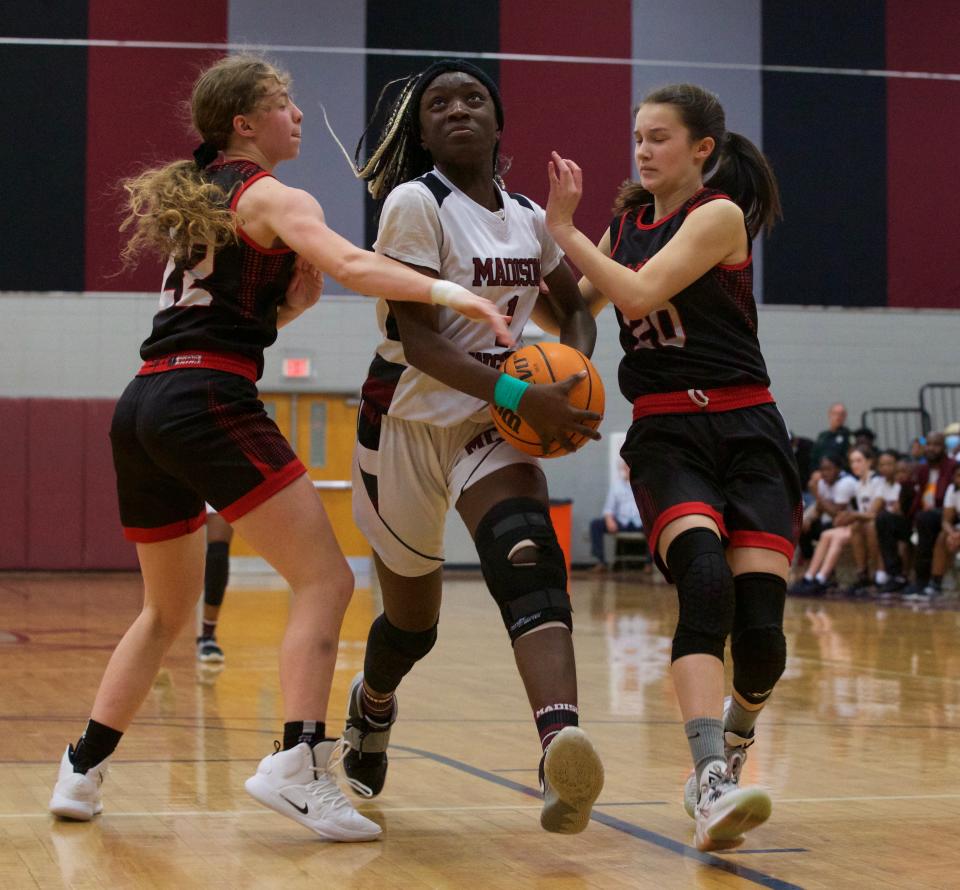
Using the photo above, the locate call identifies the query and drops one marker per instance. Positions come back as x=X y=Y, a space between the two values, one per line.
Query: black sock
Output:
x=209 y=631
x=96 y=744
x=309 y=731
x=552 y=718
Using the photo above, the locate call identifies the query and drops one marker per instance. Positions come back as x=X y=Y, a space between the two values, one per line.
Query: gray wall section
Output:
x=336 y=81
x=717 y=31
x=85 y=345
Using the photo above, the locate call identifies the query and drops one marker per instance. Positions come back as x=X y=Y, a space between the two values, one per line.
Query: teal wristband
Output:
x=508 y=391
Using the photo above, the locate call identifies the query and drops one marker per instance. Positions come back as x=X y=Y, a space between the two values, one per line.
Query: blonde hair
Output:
x=172 y=207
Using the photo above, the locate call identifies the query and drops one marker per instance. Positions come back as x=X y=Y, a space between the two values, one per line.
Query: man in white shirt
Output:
x=620 y=514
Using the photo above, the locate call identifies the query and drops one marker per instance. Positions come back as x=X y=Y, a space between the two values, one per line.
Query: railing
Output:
x=941 y=401
x=896 y=427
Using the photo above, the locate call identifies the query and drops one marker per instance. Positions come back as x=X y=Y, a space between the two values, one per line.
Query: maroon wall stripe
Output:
x=582 y=111
x=134 y=115
x=14 y=473
x=923 y=123
x=55 y=484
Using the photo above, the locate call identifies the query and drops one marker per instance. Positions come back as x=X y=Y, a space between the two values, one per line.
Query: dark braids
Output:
x=736 y=167
x=398 y=156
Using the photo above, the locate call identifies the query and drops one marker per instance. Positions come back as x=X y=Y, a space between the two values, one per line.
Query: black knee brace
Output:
x=759 y=647
x=391 y=653
x=705 y=590
x=531 y=592
x=216 y=573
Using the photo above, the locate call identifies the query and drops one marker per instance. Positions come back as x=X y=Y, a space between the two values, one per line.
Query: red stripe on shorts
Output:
x=166 y=532
x=688 y=508
x=764 y=541
x=276 y=481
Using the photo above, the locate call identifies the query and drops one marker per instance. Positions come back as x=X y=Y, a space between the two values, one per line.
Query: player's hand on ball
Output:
x=546 y=408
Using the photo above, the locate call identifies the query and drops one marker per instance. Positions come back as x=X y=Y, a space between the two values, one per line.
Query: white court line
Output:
x=504 y=57
x=599 y=805
x=866 y=668
x=780 y=800
x=261 y=811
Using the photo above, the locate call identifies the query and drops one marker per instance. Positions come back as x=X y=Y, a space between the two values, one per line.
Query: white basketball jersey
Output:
x=429 y=222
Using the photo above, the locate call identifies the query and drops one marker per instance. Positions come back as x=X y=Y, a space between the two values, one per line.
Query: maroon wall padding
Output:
x=135 y=118
x=59 y=506
x=582 y=111
x=922 y=129
x=104 y=546
x=14 y=436
x=55 y=484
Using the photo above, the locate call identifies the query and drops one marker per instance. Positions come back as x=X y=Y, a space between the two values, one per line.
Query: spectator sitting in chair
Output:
x=948 y=542
x=620 y=514
x=932 y=480
x=894 y=529
x=850 y=527
x=833 y=490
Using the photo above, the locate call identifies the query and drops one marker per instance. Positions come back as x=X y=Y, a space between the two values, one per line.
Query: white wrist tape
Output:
x=442 y=291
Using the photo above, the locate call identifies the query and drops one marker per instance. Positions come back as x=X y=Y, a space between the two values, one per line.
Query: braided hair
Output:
x=399 y=156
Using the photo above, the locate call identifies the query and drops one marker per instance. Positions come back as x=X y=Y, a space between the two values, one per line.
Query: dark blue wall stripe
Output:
x=826 y=138
x=429 y=24
x=43 y=153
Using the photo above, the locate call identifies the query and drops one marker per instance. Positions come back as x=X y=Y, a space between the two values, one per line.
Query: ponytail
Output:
x=744 y=173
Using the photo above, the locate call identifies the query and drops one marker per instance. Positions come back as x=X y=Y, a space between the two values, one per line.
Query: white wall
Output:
x=85 y=345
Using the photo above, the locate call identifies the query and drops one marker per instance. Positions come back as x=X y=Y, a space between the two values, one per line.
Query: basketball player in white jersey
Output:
x=426 y=440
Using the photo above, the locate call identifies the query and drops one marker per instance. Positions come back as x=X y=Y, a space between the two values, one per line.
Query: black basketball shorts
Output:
x=734 y=466
x=190 y=436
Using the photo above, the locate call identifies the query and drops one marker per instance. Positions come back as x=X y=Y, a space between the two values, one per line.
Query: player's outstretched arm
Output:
x=296 y=218
x=574 y=321
x=706 y=238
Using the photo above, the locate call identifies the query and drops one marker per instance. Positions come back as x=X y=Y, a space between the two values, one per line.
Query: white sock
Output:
x=881 y=577
x=821 y=578
x=808 y=577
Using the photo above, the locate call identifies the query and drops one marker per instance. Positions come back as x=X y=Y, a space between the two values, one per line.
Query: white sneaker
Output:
x=734 y=749
x=725 y=811
x=209 y=651
x=299 y=783
x=571 y=777
x=77 y=795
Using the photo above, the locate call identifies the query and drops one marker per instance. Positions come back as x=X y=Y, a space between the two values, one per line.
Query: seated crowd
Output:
x=893 y=511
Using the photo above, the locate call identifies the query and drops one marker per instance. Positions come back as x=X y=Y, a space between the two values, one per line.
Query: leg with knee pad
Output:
x=216 y=573
x=523 y=565
x=759 y=647
x=392 y=652
x=705 y=589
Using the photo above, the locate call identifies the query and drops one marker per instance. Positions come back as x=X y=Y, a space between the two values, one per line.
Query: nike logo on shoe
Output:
x=303 y=809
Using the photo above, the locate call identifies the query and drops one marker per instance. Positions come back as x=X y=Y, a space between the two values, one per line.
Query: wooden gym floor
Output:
x=860 y=749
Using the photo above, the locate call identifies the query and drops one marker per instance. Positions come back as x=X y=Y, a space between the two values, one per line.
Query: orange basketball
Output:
x=549 y=363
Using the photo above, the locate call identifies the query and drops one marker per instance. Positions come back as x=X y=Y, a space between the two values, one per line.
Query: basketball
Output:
x=549 y=363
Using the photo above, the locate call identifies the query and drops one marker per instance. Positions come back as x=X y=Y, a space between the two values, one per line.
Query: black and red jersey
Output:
x=223 y=300
x=706 y=336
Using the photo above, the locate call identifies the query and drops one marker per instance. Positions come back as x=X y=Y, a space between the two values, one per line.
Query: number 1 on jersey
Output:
x=511 y=308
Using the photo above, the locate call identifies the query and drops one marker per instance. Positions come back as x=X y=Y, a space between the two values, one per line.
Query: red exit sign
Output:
x=296 y=368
